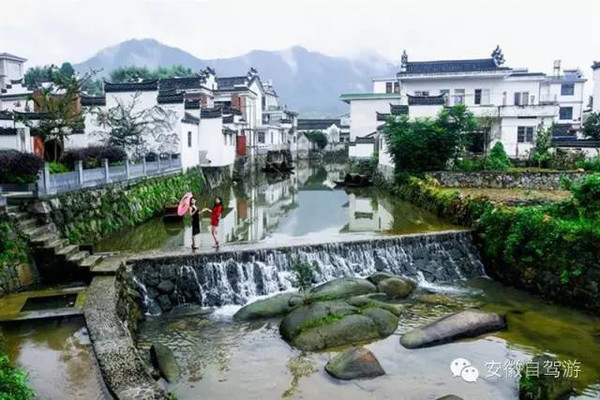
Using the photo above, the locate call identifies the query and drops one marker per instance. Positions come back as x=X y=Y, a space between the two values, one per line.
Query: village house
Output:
x=513 y=102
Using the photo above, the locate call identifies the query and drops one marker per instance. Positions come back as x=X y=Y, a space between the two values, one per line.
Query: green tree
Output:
x=13 y=382
x=419 y=145
x=67 y=69
x=497 y=160
x=461 y=123
x=130 y=74
x=58 y=101
x=543 y=144
x=591 y=127
x=303 y=275
x=319 y=138
x=137 y=131
x=35 y=76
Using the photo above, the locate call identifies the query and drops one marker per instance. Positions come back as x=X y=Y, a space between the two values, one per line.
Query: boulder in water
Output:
x=354 y=363
x=549 y=383
x=464 y=324
x=380 y=276
x=163 y=359
x=341 y=288
x=311 y=315
x=166 y=286
x=350 y=329
x=188 y=310
x=396 y=287
x=385 y=321
x=273 y=306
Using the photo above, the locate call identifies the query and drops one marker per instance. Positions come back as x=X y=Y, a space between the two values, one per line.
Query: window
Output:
x=424 y=93
x=477 y=96
x=272 y=138
x=388 y=87
x=261 y=137
x=189 y=139
x=459 y=96
x=521 y=98
x=396 y=88
x=567 y=89
x=565 y=113
x=525 y=134
x=446 y=93
x=225 y=139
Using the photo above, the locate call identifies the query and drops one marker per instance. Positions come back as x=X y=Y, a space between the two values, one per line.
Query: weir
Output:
x=236 y=276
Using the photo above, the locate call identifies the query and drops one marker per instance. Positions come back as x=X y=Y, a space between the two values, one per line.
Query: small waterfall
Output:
x=149 y=303
x=236 y=277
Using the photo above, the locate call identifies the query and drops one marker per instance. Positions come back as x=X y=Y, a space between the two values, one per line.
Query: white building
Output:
x=596 y=92
x=515 y=101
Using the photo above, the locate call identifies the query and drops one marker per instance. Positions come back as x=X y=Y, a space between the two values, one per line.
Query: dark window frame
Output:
x=570 y=89
x=568 y=110
x=525 y=134
x=389 y=86
x=478 y=96
x=189 y=138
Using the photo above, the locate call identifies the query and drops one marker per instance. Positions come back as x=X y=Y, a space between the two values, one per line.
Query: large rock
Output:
x=468 y=323
x=166 y=286
x=354 y=363
x=163 y=359
x=385 y=321
x=351 y=329
x=380 y=276
x=271 y=307
x=396 y=287
x=310 y=315
x=342 y=288
x=545 y=384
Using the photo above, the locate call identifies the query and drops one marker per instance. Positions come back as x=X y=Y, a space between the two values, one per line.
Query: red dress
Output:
x=215 y=214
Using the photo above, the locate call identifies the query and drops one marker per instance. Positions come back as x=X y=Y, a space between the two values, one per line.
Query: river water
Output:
x=298 y=206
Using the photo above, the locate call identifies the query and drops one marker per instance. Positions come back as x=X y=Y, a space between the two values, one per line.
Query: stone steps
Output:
x=67 y=251
x=90 y=261
x=27 y=223
x=38 y=230
x=57 y=245
x=78 y=257
x=43 y=240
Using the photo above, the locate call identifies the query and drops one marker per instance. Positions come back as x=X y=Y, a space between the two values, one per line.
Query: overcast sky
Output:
x=531 y=33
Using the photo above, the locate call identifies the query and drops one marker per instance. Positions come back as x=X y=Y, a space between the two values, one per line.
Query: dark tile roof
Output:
x=170 y=97
x=216 y=112
x=192 y=104
x=143 y=86
x=230 y=82
x=188 y=82
x=563 y=130
x=397 y=109
x=577 y=143
x=6 y=115
x=190 y=119
x=517 y=73
x=596 y=65
x=316 y=124
x=16 y=81
x=451 y=66
x=89 y=101
x=230 y=110
x=228 y=119
x=228 y=131
x=382 y=116
x=426 y=100
x=30 y=115
x=366 y=139
x=8 y=131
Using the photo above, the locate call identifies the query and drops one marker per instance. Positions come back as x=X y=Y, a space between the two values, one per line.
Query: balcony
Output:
x=535 y=110
x=548 y=99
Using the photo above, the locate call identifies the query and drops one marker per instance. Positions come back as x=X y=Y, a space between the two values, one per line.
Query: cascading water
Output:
x=235 y=277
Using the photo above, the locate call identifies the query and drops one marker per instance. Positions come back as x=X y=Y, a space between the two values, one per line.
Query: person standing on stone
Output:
x=215 y=215
x=195 y=213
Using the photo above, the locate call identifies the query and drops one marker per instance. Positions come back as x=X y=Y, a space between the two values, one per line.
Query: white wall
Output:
x=509 y=128
x=361 y=150
x=220 y=148
x=424 y=111
x=596 y=92
x=22 y=141
x=363 y=114
x=189 y=154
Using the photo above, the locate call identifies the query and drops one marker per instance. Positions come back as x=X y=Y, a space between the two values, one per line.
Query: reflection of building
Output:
x=367 y=215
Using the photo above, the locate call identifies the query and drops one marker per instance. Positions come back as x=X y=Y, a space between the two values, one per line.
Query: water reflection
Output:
x=271 y=208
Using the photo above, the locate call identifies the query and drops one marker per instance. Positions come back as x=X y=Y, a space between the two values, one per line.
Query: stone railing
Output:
x=550 y=180
x=49 y=183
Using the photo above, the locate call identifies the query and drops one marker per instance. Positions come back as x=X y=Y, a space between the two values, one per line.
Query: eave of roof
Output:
x=12 y=57
x=347 y=97
x=426 y=100
x=144 y=86
x=596 y=65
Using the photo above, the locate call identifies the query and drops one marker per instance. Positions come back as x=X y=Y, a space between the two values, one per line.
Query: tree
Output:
x=460 y=122
x=591 y=126
x=134 y=74
x=497 y=160
x=35 y=76
x=137 y=131
x=303 y=275
x=67 y=69
x=543 y=144
x=58 y=101
x=319 y=138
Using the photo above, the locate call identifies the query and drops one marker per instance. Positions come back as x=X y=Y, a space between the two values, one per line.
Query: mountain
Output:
x=307 y=81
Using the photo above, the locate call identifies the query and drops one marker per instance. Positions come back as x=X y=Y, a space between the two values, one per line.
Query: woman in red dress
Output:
x=215 y=215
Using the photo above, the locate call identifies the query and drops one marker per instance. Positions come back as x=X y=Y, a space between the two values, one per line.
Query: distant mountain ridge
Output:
x=307 y=81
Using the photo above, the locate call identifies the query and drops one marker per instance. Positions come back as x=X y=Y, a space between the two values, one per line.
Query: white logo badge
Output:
x=463 y=368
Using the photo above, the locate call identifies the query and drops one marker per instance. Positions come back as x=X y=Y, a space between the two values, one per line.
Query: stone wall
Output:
x=505 y=180
x=86 y=215
x=16 y=267
x=234 y=277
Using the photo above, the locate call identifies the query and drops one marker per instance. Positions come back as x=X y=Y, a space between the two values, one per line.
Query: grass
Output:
x=516 y=194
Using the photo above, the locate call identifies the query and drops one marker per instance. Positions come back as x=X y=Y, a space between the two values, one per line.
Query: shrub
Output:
x=591 y=164
x=92 y=156
x=469 y=165
x=13 y=381
x=497 y=160
x=319 y=138
x=17 y=167
x=586 y=196
x=58 y=168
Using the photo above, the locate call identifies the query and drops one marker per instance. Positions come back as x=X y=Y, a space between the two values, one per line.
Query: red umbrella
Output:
x=184 y=204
